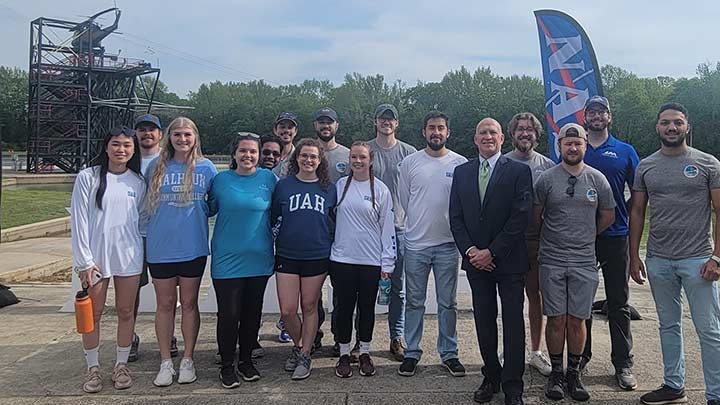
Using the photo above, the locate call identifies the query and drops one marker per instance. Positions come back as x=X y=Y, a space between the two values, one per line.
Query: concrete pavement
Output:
x=41 y=361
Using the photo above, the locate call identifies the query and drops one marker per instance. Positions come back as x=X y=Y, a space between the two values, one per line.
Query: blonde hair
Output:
x=166 y=154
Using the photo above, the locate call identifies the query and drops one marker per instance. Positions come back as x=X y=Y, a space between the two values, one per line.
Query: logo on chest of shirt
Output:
x=448 y=174
x=609 y=153
x=367 y=198
x=263 y=187
x=341 y=167
x=691 y=171
x=306 y=202
x=131 y=193
x=591 y=195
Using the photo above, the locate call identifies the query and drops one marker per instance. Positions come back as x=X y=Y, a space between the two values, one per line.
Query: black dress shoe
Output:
x=514 y=400
x=486 y=391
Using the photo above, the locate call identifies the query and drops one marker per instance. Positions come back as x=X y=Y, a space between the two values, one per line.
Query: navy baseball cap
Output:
x=598 y=100
x=325 y=112
x=148 y=118
x=286 y=116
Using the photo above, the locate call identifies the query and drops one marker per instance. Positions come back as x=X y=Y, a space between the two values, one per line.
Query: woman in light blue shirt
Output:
x=242 y=255
x=177 y=240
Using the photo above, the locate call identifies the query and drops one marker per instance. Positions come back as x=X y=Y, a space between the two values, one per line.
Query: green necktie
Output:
x=483 y=178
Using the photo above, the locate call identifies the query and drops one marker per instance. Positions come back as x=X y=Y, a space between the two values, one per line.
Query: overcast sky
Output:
x=289 y=41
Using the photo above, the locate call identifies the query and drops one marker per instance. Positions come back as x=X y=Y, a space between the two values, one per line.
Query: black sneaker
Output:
x=173 y=347
x=134 y=347
x=408 y=367
x=455 y=368
x=247 y=371
x=555 y=387
x=713 y=402
x=343 y=368
x=228 y=378
x=575 y=387
x=625 y=379
x=664 y=395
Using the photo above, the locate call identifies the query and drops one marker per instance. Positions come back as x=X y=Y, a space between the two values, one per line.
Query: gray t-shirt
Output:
x=385 y=168
x=678 y=190
x=569 y=229
x=338 y=165
x=538 y=163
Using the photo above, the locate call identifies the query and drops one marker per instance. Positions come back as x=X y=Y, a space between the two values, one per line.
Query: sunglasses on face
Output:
x=570 y=191
x=268 y=152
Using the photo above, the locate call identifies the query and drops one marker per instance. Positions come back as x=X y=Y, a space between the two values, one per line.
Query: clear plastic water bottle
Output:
x=383 y=292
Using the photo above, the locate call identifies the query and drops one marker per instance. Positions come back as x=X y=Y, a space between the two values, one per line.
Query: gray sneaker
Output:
x=304 y=365
x=292 y=361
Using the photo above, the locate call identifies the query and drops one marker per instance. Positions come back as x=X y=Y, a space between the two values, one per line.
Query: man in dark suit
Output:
x=490 y=207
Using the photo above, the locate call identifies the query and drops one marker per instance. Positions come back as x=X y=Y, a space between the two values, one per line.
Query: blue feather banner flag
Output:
x=571 y=74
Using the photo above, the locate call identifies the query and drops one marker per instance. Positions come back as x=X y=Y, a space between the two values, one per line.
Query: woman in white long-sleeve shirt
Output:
x=362 y=253
x=105 y=211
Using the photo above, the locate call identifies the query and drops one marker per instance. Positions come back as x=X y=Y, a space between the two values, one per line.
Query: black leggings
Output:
x=354 y=285
x=239 y=302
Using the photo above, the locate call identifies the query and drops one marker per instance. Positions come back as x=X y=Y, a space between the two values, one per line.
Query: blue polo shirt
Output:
x=617 y=160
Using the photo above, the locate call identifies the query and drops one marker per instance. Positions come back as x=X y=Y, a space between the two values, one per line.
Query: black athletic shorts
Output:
x=303 y=268
x=190 y=269
x=144 y=275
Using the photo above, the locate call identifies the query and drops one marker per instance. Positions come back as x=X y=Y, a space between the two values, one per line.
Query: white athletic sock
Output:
x=91 y=357
x=344 y=349
x=364 y=347
x=122 y=354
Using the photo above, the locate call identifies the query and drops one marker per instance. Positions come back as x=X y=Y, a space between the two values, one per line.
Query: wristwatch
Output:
x=716 y=259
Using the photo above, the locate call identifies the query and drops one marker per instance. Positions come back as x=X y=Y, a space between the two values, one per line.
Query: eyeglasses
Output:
x=122 y=129
x=307 y=156
x=268 y=152
x=525 y=129
x=570 y=191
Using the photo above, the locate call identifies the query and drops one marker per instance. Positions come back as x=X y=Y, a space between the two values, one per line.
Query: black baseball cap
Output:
x=148 y=118
x=283 y=116
x=325 y=112
x=384 y=108
x=598 y=100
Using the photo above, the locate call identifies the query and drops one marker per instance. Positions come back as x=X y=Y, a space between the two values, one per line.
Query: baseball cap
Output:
x=598 y=100
x=148 y=118
x=569 y=126
x=325 y=112
x=383 y=108
x=286 y=116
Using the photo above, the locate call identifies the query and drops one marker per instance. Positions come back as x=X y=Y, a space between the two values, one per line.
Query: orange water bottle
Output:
x=84 y=312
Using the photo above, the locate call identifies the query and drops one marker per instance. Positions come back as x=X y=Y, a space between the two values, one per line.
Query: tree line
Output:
x=222 y=109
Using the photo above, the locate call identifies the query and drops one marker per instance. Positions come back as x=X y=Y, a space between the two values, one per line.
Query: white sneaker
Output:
x=540 y=362
x=187 y=372
x=165 y=375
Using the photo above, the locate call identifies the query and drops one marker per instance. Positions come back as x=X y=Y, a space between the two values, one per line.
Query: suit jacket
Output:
x=500 y=223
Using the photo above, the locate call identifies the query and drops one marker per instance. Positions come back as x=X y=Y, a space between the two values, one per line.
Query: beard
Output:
x=524 y=147
x=325 y=138
x=673 y=144
x=572 y=160
x=435 y=146
x=596 y=127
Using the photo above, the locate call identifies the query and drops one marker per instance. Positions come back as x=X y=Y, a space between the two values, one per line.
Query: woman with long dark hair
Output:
x=242 y=255
x=105 y=215
x=362 y=253
x=177 y=240
x=301 y=209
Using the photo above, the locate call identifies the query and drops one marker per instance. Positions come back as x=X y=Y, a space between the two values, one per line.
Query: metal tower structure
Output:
x=78 y=92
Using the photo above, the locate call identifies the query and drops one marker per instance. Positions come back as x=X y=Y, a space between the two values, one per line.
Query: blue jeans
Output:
x=396 y=303
x=445 y=262
x=667 y=278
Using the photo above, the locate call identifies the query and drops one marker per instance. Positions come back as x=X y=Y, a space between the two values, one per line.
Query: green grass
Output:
x=22 y=207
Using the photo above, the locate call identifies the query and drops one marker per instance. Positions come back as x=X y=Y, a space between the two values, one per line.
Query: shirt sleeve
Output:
x=606 y=201
x=633 y=162
x=387 y=233
x=404 y=183
x=713 y=173
x=540 y=190
x=639 y=178
x=80 y=206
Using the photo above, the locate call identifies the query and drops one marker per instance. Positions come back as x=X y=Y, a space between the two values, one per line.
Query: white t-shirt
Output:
x=145 y=162
x=109 y=238
x=364 y=235
x=424 y=189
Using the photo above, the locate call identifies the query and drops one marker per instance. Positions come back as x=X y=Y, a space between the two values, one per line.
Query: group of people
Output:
x=518 y=224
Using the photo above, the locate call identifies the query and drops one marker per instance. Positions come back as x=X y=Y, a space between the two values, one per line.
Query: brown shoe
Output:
x=121 y=377
x=93 y=381
x=367 y=368
x=397 y=349
x=342 y=367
